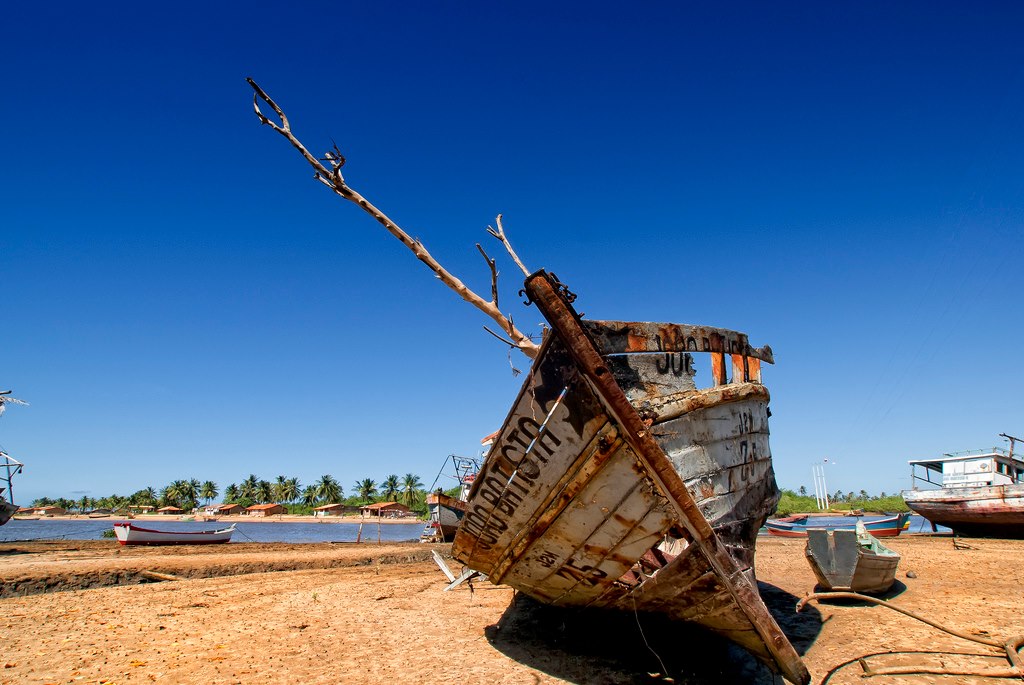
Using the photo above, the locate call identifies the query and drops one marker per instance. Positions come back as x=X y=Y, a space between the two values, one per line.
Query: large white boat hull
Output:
x=988 y=511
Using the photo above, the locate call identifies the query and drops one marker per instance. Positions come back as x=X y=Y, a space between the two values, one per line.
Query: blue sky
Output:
x=182 y=300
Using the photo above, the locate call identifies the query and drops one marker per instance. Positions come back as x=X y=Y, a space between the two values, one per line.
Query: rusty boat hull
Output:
x=995 y=511
x=444 y=515
x=616 y=483
x=7 y=510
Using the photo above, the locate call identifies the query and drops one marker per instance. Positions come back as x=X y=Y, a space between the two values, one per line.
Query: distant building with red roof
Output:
x=389 y=509
x=265 y=510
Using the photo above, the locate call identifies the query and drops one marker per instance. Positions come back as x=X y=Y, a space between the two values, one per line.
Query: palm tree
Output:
x=328 y=490
x=279 y=489
x=189 y=490
x=231 y=493
x=292 y=490
x=366 y=489
x=172 y=495
x=389 y=488
x=265 y=492
x=84 y=503
x=250 y=487
x=310 y=495
x=145 y=497
x=411 y=485
x=208 y=491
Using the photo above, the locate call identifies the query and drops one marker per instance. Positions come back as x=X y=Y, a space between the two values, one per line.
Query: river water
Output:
x=92 y=529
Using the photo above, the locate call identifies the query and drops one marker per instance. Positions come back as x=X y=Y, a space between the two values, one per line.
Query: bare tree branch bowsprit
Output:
x=328 y=172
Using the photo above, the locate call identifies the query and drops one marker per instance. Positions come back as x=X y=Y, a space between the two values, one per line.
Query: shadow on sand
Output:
x=585 y=646
x=897 y=589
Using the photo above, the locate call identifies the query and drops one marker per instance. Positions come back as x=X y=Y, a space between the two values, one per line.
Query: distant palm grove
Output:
x=801 y=502
x=190 y=494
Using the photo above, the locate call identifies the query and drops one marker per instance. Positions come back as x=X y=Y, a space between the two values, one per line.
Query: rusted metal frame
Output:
x=589 y=461
x=612 y=337
x=718 y=375
x=566 y=323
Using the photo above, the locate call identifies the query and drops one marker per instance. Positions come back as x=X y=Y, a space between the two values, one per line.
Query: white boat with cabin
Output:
x=977 y=493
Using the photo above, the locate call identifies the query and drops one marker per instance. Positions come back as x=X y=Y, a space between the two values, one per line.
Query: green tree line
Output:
x=799 y=502
x=188 y=494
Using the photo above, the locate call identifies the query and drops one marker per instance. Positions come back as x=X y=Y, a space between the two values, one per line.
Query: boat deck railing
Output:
x=979 y=452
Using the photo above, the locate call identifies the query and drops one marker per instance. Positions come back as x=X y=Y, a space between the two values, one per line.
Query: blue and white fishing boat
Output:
x=887 y=527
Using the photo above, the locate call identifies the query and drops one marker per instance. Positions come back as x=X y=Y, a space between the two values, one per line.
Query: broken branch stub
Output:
x=333 y=179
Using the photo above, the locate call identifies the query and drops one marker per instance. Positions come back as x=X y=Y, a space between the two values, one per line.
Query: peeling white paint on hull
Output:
x=568 y=509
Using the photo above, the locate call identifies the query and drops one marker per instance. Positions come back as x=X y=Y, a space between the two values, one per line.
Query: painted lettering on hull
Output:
x=518 y=461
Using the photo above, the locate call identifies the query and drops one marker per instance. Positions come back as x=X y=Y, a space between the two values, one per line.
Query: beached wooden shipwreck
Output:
x=615 y=482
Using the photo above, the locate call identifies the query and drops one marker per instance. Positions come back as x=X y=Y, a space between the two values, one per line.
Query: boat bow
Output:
x=615 y=482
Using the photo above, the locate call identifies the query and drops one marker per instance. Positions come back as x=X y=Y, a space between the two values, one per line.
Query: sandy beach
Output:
x=83 y=612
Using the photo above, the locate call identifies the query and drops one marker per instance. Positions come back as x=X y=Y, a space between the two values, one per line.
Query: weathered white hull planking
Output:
x=576 y=505
x=987 y=511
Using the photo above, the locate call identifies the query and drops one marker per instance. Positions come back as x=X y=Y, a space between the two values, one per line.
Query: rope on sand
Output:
x=1010 y=646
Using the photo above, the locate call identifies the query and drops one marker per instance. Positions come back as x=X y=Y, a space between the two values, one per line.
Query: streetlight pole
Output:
x=820 y=488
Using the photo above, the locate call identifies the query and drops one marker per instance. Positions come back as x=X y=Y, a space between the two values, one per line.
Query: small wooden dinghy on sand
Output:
x=851 y=560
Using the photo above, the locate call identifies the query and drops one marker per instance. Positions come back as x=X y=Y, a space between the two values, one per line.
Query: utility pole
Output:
x=1012 y=441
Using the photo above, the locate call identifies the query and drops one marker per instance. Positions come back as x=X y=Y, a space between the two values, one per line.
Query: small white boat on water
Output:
x=131 y=534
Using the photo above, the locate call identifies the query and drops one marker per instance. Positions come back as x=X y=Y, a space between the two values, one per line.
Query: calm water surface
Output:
x=92 y=529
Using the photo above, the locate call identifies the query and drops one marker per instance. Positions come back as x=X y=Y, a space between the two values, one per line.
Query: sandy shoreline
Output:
x=347 y=613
